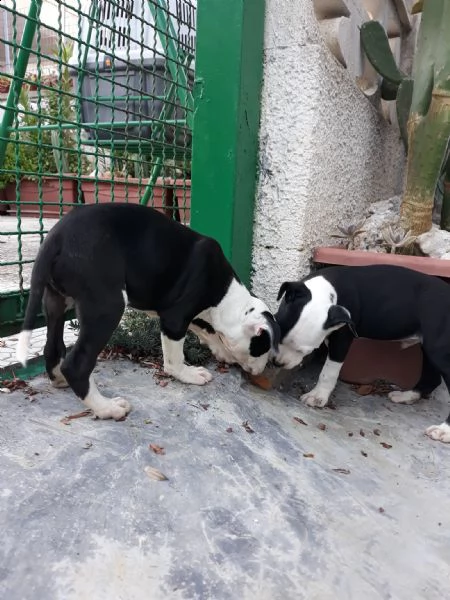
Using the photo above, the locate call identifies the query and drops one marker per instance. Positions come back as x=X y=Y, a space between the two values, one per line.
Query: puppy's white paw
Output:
x=194 y=375
x=315 y=398
x=440 y=433
x=408 y=397
x=116 y=409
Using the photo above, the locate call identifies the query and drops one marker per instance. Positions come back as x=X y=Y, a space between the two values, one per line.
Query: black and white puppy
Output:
x=378 y=302
x=100 y=258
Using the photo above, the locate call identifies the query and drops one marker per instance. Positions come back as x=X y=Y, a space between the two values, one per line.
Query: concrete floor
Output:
x=27 y=243
x=242 y=516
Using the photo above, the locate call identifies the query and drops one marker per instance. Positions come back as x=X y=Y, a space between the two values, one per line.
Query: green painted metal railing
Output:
x=101 y=113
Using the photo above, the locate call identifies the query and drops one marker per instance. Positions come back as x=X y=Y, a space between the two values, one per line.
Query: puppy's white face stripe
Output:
x=308 y=332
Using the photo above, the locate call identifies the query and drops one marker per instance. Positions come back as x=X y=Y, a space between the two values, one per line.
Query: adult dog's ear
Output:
x=339 y=315
x=291 y=290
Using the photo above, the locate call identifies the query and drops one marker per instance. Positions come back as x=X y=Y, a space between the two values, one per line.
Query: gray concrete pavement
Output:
x=242 y=516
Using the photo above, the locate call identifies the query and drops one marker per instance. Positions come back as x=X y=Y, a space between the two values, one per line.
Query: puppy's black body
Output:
x=102 y=257
x=379 y=302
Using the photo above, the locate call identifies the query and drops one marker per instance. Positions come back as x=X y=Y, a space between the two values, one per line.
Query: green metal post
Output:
x=229 y=62
x=19 y=73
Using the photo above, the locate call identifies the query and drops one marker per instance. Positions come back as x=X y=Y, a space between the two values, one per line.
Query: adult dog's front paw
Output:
x=316 y=398
x=193 y=375
x=116 y=409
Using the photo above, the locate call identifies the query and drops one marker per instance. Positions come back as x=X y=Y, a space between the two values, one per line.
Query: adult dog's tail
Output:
x=39 y=278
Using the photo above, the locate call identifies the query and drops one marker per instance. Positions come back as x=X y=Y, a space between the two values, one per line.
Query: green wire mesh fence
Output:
x=95 y=106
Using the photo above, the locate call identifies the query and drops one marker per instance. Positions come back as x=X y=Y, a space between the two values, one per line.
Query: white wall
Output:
x=326 y=151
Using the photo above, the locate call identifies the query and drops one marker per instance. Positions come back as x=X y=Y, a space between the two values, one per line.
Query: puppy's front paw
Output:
x=440 y=433
x=194 y=375
x=315 y=398
x=408 y=397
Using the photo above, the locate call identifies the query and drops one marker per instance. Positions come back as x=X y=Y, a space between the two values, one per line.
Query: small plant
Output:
x=350 y=233
x=397 y=239
x=140 y=337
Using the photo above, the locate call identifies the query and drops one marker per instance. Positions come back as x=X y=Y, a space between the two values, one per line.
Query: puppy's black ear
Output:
x=338 y=315
x=275 y=336
x=292 y=290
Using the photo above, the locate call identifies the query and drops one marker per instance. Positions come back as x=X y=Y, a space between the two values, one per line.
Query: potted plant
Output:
x=53 y=153
x=5 y=83
x=128 y=179
x=423 y=114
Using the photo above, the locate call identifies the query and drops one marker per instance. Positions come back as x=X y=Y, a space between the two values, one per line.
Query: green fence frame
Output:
x=229 y=67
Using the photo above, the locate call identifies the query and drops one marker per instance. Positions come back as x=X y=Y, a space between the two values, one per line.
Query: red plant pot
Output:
x=369 y=360
x=56 y=195
x=169 y=195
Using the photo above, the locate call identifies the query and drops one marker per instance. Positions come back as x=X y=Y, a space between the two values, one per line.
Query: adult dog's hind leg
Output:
x=97 y=323
x=55 y=350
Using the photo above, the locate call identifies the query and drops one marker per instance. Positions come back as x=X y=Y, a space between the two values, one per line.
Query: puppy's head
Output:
x=256 y=335
x=308 y=313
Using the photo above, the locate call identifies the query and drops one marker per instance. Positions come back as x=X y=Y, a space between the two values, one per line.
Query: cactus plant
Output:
x=395 y=85
x=429 y=118
x=423 y=108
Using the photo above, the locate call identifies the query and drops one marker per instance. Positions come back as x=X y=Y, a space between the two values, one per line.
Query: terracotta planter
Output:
x=3 y=205
x=29 y=196
x=369 y=360
x=168 y=194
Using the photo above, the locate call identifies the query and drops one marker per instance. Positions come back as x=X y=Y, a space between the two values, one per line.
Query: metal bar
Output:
x=106 y=126
x=163 y=23
x=20 y=68
x=226 y=124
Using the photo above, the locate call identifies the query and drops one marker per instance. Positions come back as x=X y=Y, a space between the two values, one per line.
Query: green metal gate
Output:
x=97 y=105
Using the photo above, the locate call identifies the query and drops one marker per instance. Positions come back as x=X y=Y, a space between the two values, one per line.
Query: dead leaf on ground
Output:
x=204 y=406
x=364 y=453
x=155 y=474
x=343 y=471
x=386 y=445
x=14 y=384
x=247 y=427
x=381 y=510
x=157 y=449
x=322 y=426
x=350 y=434
x=364 y=390
x=229 y=430
x=85 y=413
x=260 y=381
x=361 y=433
x=308 y=455
x=301 y=421
x=376 y=432
x=87 y=445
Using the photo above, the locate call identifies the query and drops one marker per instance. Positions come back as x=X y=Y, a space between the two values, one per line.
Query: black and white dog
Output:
x=101 y=258
x=378 y=302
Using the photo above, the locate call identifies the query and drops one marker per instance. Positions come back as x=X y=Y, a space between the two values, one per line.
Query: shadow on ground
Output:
x=242 y=515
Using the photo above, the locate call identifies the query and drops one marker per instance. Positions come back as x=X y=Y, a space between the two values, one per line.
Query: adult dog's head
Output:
x=308 y=313
x=250 y=333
